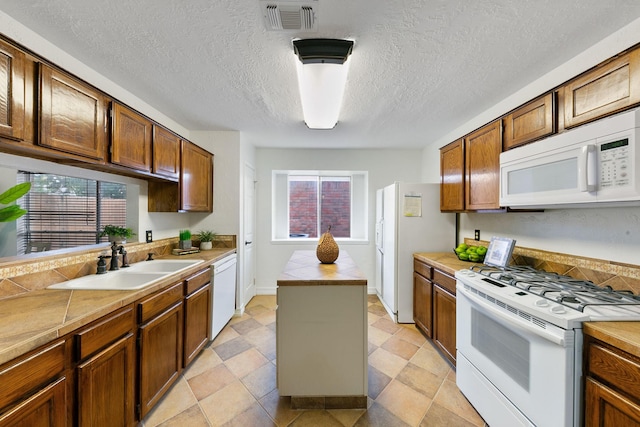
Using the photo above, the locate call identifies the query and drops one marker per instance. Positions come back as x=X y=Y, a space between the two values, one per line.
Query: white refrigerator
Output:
x=408 y=220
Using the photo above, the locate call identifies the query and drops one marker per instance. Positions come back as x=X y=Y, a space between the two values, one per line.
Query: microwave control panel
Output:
x=615 y=158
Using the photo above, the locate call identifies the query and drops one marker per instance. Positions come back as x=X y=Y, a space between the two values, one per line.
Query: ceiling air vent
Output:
x=290 y=15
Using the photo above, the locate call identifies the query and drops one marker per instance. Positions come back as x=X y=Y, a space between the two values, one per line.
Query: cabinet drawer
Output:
x=104 y=332
x=157 y=303
x=615 y=369
x=18 y=379
x=422 y=269
x=444 y=280
x=197 y=281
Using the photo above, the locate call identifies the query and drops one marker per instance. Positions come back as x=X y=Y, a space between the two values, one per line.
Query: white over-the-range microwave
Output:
x=594 y=165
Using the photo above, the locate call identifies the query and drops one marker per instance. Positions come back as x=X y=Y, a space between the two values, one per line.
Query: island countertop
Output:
x=304 y=269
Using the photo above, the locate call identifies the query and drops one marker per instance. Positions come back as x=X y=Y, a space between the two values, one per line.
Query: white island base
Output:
x=321 y=333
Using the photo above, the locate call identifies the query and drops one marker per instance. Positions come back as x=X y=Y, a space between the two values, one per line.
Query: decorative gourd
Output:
x=327 y=250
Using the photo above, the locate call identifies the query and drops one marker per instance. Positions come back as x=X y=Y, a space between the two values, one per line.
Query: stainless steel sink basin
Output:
x=138 y=276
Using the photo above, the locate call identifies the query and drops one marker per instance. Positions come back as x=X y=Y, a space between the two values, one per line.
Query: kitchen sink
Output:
x=138 y=276
x=164 y=265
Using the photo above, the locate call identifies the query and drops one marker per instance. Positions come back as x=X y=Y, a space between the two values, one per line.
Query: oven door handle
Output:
x=522 y=324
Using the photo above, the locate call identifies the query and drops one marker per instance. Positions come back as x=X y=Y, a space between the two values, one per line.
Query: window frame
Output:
x=280 y=205
x=95 y=210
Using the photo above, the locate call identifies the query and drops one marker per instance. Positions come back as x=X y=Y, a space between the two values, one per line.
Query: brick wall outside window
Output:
x=335 y=208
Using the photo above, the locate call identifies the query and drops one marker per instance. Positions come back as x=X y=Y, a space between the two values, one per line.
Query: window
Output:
x=306 y=203
x=64 y=212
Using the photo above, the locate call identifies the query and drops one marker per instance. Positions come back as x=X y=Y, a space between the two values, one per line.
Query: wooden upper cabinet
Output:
x=482 y=150
x=12 y=99
x=166 y=153
x=530 y=122
x=72 y=115
x=608 y=88
x=452 y=177
x=130 y=138
x=196 y=179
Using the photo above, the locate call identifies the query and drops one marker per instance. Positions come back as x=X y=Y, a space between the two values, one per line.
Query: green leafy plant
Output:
x=185 y=235
x=13 y=212
x=116 y=230
x=207 y=235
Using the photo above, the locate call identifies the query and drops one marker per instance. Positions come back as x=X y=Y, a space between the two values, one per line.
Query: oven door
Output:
x=515 y=371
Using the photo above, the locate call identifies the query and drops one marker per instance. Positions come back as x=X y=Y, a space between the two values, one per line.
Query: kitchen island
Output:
x=321 y=333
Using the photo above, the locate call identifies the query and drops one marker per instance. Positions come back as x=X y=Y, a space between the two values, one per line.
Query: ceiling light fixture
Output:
x=322 y=75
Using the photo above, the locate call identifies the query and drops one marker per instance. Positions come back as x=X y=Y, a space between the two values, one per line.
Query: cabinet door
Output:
x=197 y=322
x=196 y=179
x=131 y=139
x=72 y=115
x=606 y=408
x=444 y=322
x=106 y=386
x=166 y=153
x=482 y=167
x=452 y=177
x=46 y=408
x=422 y=302
x=20 y=378
x=532 y=121
x=160 y=356
x=608 y=88
x=12 y=100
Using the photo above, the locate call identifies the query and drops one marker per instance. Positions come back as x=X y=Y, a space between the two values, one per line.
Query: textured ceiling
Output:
x=419 y=68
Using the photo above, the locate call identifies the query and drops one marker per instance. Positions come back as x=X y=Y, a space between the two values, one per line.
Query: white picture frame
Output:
x=499 y=251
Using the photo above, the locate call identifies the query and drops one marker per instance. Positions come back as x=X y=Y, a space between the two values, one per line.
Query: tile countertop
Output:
x=444 y=261
x=304 y=269
x=33 y=319
x=623 y=335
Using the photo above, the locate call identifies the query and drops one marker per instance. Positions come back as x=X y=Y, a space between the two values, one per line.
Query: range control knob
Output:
x=542 y=303
x=558 y=309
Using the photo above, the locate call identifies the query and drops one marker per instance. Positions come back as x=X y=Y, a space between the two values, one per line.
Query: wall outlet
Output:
x=477 y=235
x=149 y=235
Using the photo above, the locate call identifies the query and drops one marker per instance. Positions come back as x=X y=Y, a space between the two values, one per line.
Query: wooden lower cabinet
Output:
x=159 y=345
x=612 y=386
x=423 y=297
x=112 y=371
x=197 y=314
x=46 y=408
x=33 y=389
x=106 y=370
x=434 y=306
x=444 y=322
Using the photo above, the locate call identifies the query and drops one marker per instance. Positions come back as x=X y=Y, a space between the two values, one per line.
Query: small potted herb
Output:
x=206 y=239
x=116 y=233
x=185 y=239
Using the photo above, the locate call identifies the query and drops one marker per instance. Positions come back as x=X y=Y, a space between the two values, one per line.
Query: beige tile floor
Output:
x=233 y=381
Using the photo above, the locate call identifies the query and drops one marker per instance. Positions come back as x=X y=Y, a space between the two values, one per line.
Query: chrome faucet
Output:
x=114 y=256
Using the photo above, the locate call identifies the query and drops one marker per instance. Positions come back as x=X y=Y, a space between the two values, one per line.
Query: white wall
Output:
x=384 y=167
x=604 y=233
x=225 y=218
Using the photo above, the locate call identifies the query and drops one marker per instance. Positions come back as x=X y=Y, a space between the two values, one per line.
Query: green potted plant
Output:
x=185 y=239
x=117 y=233
x=206 y=239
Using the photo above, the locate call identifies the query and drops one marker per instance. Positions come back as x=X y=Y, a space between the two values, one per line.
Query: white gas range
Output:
x=519 y=342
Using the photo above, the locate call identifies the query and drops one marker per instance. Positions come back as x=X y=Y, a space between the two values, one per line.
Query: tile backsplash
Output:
x=618 y=276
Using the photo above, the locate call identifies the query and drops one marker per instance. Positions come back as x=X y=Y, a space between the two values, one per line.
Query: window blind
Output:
x=64 y=212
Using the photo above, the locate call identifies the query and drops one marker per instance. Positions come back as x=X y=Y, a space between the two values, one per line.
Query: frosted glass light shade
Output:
x=321 y=86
